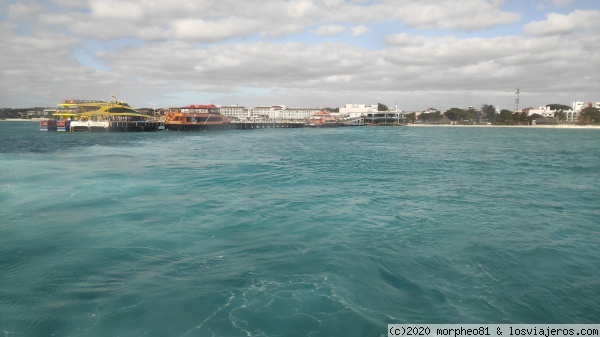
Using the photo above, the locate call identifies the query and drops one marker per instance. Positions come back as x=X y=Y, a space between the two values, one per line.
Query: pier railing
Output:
x=265 y=124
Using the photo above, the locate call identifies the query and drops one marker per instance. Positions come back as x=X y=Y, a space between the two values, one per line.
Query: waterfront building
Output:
x=49 y=112
x=384 y=117
x=265 y=112
x=294 y=113
x=281 y=112
x=543 y=111
x=578 y=106
x=418 y=113
x=235 y=112
x=546 y=112
x=371 y=114
x=28 y=114
x=357 y=110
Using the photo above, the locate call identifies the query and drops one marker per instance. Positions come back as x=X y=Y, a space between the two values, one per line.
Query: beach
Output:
x=558 y=126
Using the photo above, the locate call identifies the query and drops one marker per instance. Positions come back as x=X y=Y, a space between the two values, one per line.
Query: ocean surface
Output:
x=296 y=232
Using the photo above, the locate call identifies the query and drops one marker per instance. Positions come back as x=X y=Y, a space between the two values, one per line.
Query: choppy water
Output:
x=296 y=232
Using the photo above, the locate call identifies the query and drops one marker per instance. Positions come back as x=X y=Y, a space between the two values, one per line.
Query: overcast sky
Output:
x=300 y=53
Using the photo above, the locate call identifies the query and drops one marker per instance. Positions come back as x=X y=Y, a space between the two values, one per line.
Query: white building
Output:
x=578 y=106
x=544 y=111
x=428 y=111
x=294 y=113
x=49 y=112
x=235 y=112
x=265 y=111
x=281 y=112
x=357 y=110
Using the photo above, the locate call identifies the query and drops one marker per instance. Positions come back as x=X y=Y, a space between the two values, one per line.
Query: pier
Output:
x=108 y=126
x=264 y=125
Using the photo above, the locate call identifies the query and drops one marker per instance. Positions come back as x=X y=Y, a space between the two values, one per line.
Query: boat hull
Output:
x=196 y=127
x=48 y=125
x=324 y=125
x=113 y=126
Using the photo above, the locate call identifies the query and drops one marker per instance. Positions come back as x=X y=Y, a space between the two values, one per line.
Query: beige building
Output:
x=235 y=112
x=280 y=112
x=357 y=110
x=294 y=113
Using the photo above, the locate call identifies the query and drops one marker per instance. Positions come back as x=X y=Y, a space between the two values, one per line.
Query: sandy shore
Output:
x=559 y=126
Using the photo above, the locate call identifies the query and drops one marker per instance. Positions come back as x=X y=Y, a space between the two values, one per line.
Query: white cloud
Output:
x=117 y=10
x=562 y=2
x=465 y=15
x=301 y=8
x=416 y=63
x=329 y=30
x=241 y=49
x=462 y=15
x=22 y=10
x=565 y=24
x=333 y=3
x=211 y=31
x=360 y=30
x=214 y=20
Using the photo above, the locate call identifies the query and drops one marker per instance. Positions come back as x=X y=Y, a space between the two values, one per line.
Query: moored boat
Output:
x=196 y=118
x=48 y=125
x=322 y=119
x=92 y=115
x=63 y=118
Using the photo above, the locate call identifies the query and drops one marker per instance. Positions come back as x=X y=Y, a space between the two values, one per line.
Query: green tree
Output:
x=473 y=115
x=589 y=115
x=382 y=107
x=536 y=116
x=504 y=118
x=430 y=116
x=454 y=114
x=488 y=111
x=560 y=115
x=410 y=117
x=521 y=118
x=558 y=107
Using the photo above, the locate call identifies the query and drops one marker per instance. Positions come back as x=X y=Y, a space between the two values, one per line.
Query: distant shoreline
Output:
x=21 y=120
x=558 y=126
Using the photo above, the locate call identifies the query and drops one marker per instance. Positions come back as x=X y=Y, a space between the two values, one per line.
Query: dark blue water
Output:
x=296 y=232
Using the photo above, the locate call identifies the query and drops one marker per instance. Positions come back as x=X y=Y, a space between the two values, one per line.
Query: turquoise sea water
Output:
x=296 y=232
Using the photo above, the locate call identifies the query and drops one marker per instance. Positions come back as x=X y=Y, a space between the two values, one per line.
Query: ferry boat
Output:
x=48 y=125
x=202 y=117
x=59 y=121
x=91 y=115
x=322 y=119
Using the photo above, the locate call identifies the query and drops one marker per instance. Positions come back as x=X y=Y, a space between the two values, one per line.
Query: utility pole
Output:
x=153 y=109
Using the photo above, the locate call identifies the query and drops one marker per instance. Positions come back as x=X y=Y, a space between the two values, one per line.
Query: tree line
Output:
x=17 y=113
x=487 y=113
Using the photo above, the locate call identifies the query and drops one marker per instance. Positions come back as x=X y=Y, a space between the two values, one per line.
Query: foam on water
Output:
x=296 y=232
